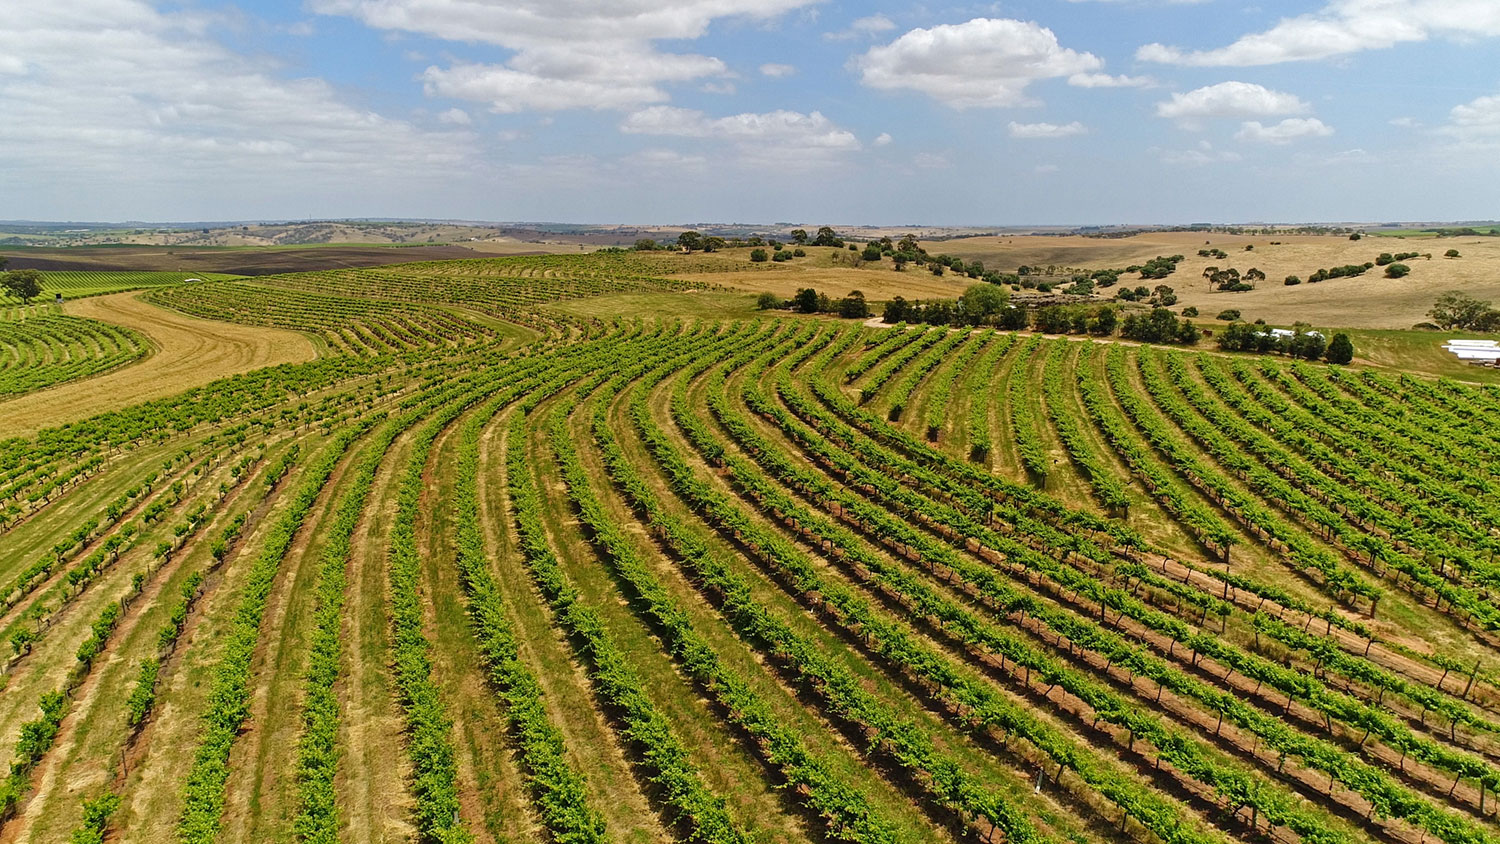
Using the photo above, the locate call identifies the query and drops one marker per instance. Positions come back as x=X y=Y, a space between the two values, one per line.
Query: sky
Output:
x=1022 y=112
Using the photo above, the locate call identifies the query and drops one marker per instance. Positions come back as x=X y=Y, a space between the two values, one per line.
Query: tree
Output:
x=1455 y=309
x=799 y=237
x=689 y=241
x=896 y=311
x=1253 y=275
x=1292 y=281
x=767 y=302
x=872 y=252
x=1190 y=311
x=1164 y=295
x=759 y=256
x=982 y=302
x=1229 y=314
x=935 y=268
x=827 y=237
x=24 y=284
x=712 y=244
x=806 y=300
x=1340 y=349
x=1451 y=253
x=854 y=306
x=1397 y=270
x=645 y=244
x=1104 y=321
x=1355 y=236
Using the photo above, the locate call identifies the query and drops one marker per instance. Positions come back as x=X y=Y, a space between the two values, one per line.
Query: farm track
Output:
x=650 y=580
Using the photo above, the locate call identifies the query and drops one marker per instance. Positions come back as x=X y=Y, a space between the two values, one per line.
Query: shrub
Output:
x=1229 y=314
x=1292 y=281
x=759 y=256
x=1190 y=311
x=1340 y=349
x=799 y=252
x=1396 y=270
x=767 y=302
x=1451 y=253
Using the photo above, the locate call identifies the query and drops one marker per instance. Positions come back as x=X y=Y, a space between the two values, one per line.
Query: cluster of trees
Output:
x=1077 y=319
x=1159 y=325
x=985 y=304
x=1456 y=310
x=810 y=301
x=1231 y=280
x=826 y=236
x=981 y=304
x=1213 y=253
x=1302 y=343
x=1346 y=271
x=779 y=255
x=20 y=284
x=1161 y=295
x=1387 y=258
x=1158 y=267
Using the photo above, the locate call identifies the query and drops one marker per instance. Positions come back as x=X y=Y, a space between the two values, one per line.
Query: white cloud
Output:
x=777 y=71
x=1404 y=122
x=985 y=62
x=1104 y=80
x=862 y=28
x=930 y=160
x=1230 y=99
x=1475 y=123
x=1288 y=130
x=569 y=54
x=552 y=79
x=720 y=88
x=664 y=160
x=1046 y=130
x=1205 y=154
x=776 y=136
x=510 y=135
x=455 y=117
x=116 y=93
x=883 y=139
x=1343 y=27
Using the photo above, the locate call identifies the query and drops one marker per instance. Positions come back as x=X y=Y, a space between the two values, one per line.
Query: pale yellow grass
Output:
x=878 y=281
x=1368 y=301
x=187 y=352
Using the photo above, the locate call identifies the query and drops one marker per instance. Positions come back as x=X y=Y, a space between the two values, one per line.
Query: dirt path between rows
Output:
x=188 y=352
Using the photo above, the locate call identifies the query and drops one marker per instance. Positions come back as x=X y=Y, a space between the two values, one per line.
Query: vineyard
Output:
x=645 y=579
x=40 y=346
x=74 y=284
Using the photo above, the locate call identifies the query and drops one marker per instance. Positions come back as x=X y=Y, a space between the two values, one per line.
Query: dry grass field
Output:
x=1368 y=301
x=188 y=353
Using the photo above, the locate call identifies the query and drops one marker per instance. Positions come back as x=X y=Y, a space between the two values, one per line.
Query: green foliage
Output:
x=759 y=256
x=96 y=814
x=1340 y=349
x=23 y=284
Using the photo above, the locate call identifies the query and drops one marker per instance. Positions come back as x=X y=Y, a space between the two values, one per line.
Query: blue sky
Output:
x=677 y=111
